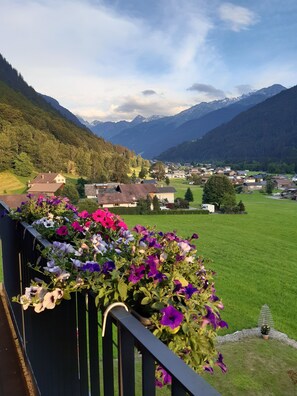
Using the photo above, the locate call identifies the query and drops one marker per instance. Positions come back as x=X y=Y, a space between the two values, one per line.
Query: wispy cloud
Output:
x=237 y=18
x=211 y=91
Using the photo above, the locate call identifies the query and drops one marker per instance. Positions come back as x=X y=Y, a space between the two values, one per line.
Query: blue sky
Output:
x=114 y=59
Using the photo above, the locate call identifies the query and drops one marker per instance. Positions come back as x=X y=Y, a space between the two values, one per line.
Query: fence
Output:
x=67 y=355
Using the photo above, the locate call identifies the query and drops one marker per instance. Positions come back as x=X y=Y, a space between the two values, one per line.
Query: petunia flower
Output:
x=107 y=267
x=62 y=231
x=77 y=227
x=137 y=273
x=221 y=364
x=171 y=317
x=91 y=266
x=190 y=290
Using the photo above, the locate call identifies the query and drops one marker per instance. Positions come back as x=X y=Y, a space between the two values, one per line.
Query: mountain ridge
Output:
x=265 y=132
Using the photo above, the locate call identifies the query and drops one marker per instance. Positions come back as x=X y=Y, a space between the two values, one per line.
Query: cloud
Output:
x=148 y=92
x=207 y=89
x=237 y=18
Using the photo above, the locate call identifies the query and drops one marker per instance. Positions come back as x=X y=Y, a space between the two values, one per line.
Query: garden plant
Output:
x=159 y=275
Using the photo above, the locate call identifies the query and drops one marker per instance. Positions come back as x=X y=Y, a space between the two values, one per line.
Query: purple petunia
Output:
x=165 y=377
x=221 y=364
x=136 y=273
x=91 y=266
x=190 y=290
x=107 y=267
x=171 y=317
x=212 y=319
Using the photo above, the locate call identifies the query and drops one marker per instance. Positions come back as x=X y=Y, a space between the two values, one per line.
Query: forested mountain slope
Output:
x=28 y=124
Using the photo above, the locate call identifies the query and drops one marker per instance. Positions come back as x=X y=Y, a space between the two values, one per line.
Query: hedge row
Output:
x=136 y=211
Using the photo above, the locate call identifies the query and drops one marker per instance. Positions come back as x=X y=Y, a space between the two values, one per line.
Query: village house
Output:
x=48 y=177
x=92 y=190
x=46 y=189
x=176 y=174
x=127 y=195
x=253 y=186
x=282 y=183
x=46 y=184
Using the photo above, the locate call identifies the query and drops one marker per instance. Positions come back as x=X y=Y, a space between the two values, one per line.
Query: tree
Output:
x=215 y=189
x=167 y=181
x=180 y=203
x=144 y=205
x=23 y=165
x=80 y=186
x=156 y=204
x=143 y=172
x=133 y=177
x=189 y=195
x=157 y=170
x=241 y=206
x=90 y=205
x=270 y=185
x=70 y=192
x=228 y=202
x=197 y=180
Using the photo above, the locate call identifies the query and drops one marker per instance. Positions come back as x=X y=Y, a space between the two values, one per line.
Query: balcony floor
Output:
x=12 y=381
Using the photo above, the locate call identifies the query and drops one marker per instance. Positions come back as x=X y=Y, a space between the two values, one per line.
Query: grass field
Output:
x=254 y=256
x=12 y=184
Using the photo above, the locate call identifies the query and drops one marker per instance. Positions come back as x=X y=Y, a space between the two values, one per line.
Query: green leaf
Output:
x=145 y=300
x=122 y=288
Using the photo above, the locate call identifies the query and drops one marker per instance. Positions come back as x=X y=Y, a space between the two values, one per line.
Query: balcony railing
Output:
x=64 y=347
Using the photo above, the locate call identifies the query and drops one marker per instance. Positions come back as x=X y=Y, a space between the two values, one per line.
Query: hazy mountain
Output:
x=108 y=129
x=266 y=132
x=151 y=138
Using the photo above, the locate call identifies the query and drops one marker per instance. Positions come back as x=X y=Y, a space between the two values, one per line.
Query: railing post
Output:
x=93 y=346
x=148 y=374
x=82 y=349
x=108 y=370
x=126 y=362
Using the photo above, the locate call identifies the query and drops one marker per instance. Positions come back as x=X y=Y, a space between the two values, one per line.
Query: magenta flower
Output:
x=171 y=317
x=163 y=378
x=77 y=227
x=195 y=236
x=62 y=231
x=84 y=214
x=137 y=273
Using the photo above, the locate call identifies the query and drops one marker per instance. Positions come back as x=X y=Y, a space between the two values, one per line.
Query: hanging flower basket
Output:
x=158 y=275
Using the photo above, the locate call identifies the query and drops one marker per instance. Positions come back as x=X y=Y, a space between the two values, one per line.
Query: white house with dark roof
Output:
x=48 y=177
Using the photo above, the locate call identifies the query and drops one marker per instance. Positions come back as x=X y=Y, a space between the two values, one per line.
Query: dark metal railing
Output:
x=64 y=347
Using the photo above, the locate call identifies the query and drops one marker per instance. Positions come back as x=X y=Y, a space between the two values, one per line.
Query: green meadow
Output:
x=253 y=255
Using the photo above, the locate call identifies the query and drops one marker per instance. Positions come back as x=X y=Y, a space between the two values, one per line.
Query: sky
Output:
x=115 y=59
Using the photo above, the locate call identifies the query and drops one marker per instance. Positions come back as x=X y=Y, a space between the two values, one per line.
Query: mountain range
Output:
x=151 y=137
x=265 y=133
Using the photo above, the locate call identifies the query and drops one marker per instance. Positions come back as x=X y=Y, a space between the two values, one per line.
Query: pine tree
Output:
x=189 y=195
x=156 y=204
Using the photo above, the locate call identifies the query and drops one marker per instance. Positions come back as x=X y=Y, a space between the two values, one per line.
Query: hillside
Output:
x=151 y=138
x=30 y=125
x=266 y=132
